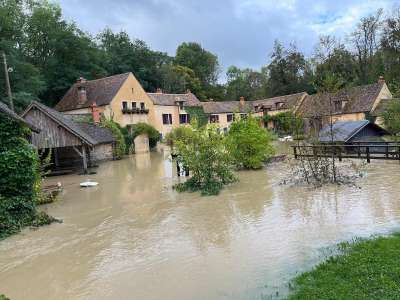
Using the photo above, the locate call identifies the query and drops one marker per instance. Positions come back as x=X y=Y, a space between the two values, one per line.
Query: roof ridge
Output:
x=107 y=77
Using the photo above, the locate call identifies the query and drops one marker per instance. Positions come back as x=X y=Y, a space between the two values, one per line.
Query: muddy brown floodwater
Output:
x=134 y=237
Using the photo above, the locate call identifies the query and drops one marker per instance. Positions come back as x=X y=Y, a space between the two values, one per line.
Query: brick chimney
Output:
x=159 y=91
x=82 y=96
x=95 y=113
x=381 y=79
x=242 y=101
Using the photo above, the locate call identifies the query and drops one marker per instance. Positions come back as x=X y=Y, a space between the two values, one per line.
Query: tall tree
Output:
x=202 y=62
x=288 y=72
x=332 y=57
x=390 y=47
x=245 y=82
x=364 y=40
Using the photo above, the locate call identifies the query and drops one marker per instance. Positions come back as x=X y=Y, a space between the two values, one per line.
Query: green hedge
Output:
x=20 y=180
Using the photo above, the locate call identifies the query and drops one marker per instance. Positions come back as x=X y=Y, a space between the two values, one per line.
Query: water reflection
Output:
x=134 y=237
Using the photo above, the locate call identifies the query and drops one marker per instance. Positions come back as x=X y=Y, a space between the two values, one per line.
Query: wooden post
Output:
x=367 y=151
x=398 y=155
x=56 y=160
x=7 y=79
x=295 y=152
x=340 y=154
x=359 y=150
x=387 y=150
x=84 y=159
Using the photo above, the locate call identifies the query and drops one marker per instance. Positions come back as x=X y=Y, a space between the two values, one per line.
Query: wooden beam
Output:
x=77 y=151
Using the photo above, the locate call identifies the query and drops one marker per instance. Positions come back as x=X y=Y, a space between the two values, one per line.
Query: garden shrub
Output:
x=249 y=144
x=203 y=152
x=120 y=146
x=20 y=181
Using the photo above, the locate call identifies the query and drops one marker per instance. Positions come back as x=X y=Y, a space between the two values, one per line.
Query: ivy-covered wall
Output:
x=198 y=114
x=19 y=177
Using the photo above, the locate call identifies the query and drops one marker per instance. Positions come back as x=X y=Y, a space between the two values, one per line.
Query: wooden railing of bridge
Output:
x=359 y=150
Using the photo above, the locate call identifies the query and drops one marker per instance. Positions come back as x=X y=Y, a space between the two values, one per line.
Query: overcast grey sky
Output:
x=240 y=32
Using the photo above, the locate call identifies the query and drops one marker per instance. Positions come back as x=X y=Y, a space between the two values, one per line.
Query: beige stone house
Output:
x=223 y=113
x=280 y=104
x=351 y=104
x=122 y=98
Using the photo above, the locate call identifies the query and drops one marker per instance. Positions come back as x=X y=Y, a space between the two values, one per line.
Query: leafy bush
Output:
x=20 y=180
x=120 y=146
x=391 y=118
x=203 y=152
x=143 y=128
x=2 y=297
x=249 y=144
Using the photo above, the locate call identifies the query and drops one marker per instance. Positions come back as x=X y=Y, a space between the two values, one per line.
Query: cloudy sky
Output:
x=240 y=32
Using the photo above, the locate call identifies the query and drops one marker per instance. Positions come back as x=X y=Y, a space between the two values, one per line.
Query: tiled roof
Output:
x=188 y=99
x=288 y=101
x=89 y=133
x=218 y=107
x=100 y=134
x=102 y=91
x=4 y=108
x=356 y=99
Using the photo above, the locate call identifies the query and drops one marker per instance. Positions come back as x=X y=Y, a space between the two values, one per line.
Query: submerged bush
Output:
x=249 y=144
x=203 y=152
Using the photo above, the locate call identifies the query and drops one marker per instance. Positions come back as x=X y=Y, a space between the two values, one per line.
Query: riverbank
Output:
x=366 y=269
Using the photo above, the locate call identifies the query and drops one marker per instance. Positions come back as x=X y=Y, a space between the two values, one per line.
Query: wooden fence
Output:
x=359 y=150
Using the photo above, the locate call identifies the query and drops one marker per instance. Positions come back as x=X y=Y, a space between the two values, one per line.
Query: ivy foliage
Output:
x=286 y=123
x=203 y=152
x=143 y=128
x=197 y=114
x=249 y=144
x=20 y=180
x=120 y=145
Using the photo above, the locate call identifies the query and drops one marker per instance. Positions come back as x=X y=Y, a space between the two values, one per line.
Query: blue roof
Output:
x=341 y=131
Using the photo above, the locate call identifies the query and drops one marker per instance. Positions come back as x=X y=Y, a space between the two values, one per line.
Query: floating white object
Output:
x=89 y=183
x=288 y=138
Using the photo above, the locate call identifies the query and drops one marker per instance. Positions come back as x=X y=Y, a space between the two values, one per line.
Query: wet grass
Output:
x=366 y=269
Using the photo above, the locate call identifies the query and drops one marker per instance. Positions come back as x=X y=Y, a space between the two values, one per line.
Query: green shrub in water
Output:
x=203 y=152
x=120 y=146
x=249 y=144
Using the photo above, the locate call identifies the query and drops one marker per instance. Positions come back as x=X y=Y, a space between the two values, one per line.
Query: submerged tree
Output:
x=249 y=144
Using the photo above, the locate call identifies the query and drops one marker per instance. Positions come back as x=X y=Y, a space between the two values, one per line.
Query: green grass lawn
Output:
x=367 y=269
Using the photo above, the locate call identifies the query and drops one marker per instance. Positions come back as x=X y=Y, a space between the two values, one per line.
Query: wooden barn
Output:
x=72 y=142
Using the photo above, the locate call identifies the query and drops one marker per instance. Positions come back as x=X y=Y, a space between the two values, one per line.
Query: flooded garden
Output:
x=135 y=237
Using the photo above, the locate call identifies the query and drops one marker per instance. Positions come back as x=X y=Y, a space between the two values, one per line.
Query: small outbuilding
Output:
x=352 y=132
x=71 y=142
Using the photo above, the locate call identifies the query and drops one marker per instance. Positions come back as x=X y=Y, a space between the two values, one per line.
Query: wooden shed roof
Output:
x=88 y=133
x=4 y=108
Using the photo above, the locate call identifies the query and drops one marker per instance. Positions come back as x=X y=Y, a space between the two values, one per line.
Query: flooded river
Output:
x=134 y=237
